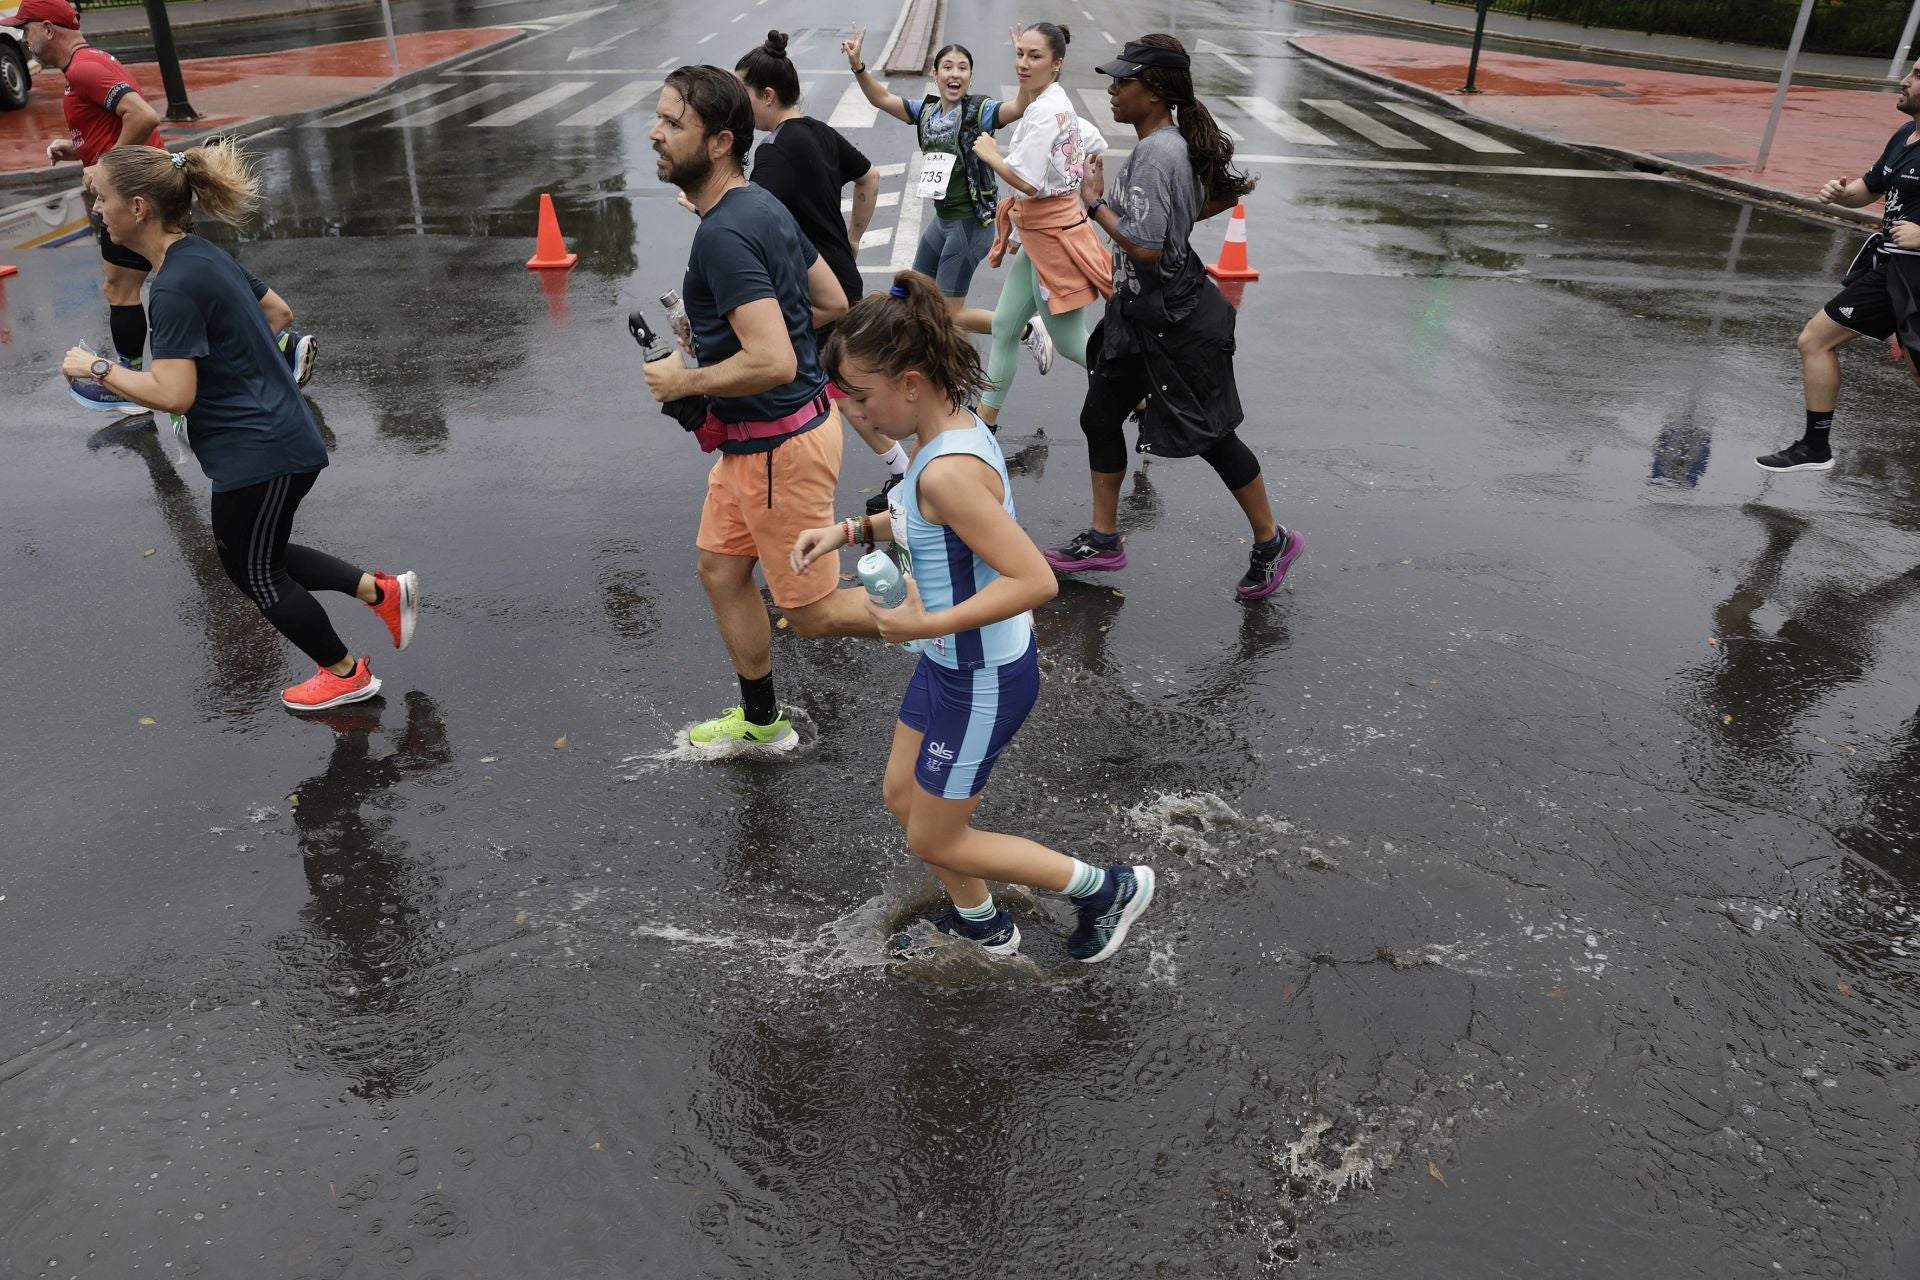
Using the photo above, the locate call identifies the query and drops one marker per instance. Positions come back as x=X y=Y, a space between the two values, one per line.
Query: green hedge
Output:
x=1868 y=28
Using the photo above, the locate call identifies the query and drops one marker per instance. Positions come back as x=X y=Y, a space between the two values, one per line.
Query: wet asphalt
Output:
x=1537 y=886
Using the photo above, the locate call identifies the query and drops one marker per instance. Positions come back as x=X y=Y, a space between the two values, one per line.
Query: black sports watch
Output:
x=1095 y=207
x=100 y=368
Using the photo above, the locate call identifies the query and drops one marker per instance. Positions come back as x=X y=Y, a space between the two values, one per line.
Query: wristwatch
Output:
x=100 y=368
x=1095 y=207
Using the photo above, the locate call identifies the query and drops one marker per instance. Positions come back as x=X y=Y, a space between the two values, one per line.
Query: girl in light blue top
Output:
x=973 y=577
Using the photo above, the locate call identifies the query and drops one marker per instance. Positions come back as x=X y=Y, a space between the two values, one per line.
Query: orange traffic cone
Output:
x=1233 y=254
x=550 y=251
x=6 y=271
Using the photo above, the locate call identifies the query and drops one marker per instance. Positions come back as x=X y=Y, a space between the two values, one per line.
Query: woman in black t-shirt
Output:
x=216 y=360
x=804 y=164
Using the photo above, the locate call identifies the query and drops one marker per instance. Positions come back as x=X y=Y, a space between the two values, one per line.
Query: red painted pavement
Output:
x=230 y=91
x=1824 y=133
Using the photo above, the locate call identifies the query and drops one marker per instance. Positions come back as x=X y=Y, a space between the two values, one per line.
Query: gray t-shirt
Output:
x=1158 y=198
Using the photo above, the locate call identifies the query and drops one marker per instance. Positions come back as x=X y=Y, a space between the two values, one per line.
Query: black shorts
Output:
x=115 y=252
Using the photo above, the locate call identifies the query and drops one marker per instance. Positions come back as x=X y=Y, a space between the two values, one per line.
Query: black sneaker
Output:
x=1084 y=555
x=1103 y=925
x=1799 y=456
x=877 y=502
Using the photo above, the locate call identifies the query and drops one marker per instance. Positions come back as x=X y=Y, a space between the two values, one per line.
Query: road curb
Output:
x=191 y=23
x=1622 y=157
x=1821 y=79
x=30 y=182
x=914 y=32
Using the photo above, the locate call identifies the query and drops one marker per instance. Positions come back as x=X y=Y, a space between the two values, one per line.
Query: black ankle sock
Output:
x=379 y=592
x=1277 y=541
x=1106 y=541
x=1818 y=424
x=756 y=699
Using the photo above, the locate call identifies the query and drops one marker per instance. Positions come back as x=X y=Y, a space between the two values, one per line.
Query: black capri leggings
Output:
x=1113 y=389
x=251 y=527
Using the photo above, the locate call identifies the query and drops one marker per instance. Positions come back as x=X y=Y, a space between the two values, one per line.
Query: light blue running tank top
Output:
x=945 y=568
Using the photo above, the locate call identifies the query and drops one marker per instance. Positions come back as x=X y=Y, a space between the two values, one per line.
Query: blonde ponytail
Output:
x=218 y=173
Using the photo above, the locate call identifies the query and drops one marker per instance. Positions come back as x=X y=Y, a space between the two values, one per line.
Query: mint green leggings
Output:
x=1018 y=301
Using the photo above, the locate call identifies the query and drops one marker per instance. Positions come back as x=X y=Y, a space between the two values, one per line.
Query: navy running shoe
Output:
x=300 y=350
x=94 y=396
x=1103 y=926
x=999 y=936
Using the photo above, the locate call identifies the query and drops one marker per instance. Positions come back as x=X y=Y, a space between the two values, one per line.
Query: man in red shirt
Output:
x=104 y=110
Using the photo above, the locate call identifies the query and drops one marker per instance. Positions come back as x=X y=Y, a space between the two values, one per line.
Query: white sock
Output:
x=896 y=459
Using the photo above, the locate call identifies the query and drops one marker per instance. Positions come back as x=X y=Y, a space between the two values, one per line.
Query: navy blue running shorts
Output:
x=968 y=718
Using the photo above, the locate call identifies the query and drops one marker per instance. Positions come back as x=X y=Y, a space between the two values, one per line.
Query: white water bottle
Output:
x=885 y=587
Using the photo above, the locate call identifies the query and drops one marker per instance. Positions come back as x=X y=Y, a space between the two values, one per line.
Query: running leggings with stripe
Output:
x=1018 y=301
x=251 y=527
x=1113 y=390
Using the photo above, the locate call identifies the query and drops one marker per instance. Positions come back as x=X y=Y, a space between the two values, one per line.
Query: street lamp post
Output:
x=1479 y=32
x=178 y=108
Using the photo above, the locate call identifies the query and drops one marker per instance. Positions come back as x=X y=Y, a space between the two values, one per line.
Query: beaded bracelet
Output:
x=848 y=527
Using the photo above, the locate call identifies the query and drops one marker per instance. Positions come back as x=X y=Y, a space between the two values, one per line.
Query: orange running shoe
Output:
x=399 y=605
x=326 y=689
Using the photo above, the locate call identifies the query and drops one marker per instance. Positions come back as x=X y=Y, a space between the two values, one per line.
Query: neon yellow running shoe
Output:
x=733 y=726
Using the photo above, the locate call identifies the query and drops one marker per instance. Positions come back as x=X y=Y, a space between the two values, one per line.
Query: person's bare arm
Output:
x=989 y=152
x=765 y=359
x=876 y=93
x=138 y=120
x=829 y=299
x=1848 y=193
x=170 y=386
x=279 y=315
x=866 y=194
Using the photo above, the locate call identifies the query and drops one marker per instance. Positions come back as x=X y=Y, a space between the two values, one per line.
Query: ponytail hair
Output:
x=1057 y=35
x=1208 y=147
x=217 y=174
x=768 y=67
x=908 y=327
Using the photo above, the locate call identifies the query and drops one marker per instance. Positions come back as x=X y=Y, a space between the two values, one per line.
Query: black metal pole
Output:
x=178 y=108
x=1473 y=61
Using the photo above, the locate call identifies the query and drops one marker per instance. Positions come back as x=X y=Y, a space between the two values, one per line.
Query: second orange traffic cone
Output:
x=1233 y=254
x=550 y=251
x=6 y=271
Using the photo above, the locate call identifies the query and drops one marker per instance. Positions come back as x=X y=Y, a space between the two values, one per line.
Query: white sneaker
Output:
x=1039 y=344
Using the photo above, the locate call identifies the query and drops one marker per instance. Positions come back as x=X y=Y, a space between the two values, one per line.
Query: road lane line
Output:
x=441 y=110
x=380 y=106
x=625 y=98
x=703 y=39
x=669 y=62
x=1281 y=122
x=853 y=111
x=1449 y=130
x=1365 y=125
x=906 y=237
x=527 y=108
x=1101 y=113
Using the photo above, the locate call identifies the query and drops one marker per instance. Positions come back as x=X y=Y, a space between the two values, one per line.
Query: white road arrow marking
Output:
x=580 y=51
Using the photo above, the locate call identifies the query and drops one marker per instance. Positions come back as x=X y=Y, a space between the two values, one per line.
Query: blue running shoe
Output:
x=999 y=936
x=95 y=396
x=1103 y=926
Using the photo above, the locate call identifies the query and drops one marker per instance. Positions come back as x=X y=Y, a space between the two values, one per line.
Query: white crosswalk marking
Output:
x=380 y=106
x=625 y=98
x=874 y=238
x=1364 y=125
x=441 y=110
x=906 y=237
x=1450 y=131
x=853 y=111
x=527 y=108
x=1281 y=122
x=885 y=200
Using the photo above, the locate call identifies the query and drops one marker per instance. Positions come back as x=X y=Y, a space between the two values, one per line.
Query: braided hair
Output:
x=1208 y=147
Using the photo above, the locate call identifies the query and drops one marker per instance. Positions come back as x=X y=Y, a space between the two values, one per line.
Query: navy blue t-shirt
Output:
x=1896 y=175
x=749 y=247
x=248 y=422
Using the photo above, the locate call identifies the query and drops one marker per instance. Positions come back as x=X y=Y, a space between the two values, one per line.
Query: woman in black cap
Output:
x=1168 y=333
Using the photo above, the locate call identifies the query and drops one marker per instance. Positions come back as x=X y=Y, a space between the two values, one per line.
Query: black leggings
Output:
x=1113 y=389
x=251 y=527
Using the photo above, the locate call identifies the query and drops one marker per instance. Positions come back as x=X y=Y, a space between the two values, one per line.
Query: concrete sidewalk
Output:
x=1509 y=31
x=120 y=20
x=1700 y=126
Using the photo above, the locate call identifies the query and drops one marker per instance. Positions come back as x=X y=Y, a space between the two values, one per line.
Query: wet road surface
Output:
x=1537 y=887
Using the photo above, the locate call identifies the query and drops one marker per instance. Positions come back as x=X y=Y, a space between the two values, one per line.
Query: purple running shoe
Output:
x=1084 y=555
x=1267 y=568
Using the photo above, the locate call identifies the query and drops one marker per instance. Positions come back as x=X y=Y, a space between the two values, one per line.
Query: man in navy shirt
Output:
x=755 y=291
x=1880 y=294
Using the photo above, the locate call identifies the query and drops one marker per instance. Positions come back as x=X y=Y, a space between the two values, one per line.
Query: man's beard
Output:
x=692 y=173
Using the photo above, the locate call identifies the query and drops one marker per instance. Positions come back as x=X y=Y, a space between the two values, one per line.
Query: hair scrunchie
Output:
x=179 y=159
x=898 y=291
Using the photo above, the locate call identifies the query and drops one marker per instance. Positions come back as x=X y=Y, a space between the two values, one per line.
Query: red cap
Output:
x=58 y=12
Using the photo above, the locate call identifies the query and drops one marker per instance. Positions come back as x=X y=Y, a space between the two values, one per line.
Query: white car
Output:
x=15 y=79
